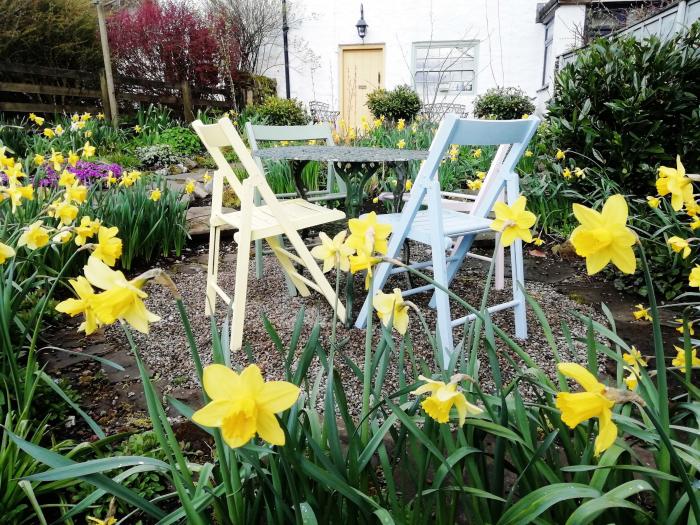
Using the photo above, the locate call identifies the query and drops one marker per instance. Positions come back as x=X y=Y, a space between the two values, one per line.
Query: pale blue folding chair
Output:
x=442 y=228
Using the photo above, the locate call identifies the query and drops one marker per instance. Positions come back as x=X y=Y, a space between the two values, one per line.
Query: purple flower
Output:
x=87 y=173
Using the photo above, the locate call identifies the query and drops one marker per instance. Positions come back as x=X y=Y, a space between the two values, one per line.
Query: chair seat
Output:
x=298 y=214
x=455 y=224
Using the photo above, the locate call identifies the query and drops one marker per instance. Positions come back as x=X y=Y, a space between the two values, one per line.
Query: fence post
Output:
x=106 y=106
x=187 y=102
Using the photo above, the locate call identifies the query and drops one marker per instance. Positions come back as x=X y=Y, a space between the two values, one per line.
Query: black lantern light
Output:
x=361 y=24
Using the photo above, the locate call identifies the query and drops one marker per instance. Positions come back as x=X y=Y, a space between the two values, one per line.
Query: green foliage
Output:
x=627 y=106
x=50 y=32
x=157 y=156
x=503 y=103
x=183 y=141
x=281 y=112
x=263 y=88
x=402 y=102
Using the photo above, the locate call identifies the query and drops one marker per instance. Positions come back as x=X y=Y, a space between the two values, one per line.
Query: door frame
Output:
x=354 y=47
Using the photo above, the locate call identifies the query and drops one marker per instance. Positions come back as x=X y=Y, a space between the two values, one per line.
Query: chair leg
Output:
x=288 y=268
x=240 y=291
x=212 y=269
x=442 y=302
x=291 y=285
x=459 y=253
x=518 y=277
x=500 y=264
x=258 y=244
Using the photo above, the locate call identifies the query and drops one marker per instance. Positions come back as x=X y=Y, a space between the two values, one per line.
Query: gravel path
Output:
x=166 y=352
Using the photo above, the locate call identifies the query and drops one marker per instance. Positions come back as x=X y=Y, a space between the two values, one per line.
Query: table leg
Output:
x=401 y=170
x=297 y=167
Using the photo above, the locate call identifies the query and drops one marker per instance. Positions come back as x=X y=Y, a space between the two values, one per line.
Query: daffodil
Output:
x=73 y=158
x=567 y=174
x=6 y=252
x=695 y=224
x=481 y=175
x=679 y=245
x=81 y=305
x=528 y=153
x=578 y=407
x=604 y=236
x=75 y=117
x=86 y=229
x=109 y=247
x=363 y=262
x=681 y=327
x=476 y=153
x=137 y=129
x=189 y=186
x=39 y=121
x=100 y=116
x=444 y=396
x=475 y=185
x=333 y=252
x=560 y=155
x=680 y=360
x=155 y=195
x=59 y=130
x=121 y=298
x=57 y=159
x=653 y=202
x=401 y=124
x=67 y=178
x=514 y=222
x=537 y=241
x=377 y=123
x=641 y=313
x=88 y=150
x=62 y=237
x=35 y=236
x=65 y=212
x=579 y=173
x=49 y=133
x=454 y=152
x=85 y=117
x=675 y=182
x=401 y=144
x=408 y=185
x=206 y=177
x=39 y=159
x=243 y=405
x=525 y=116
x=369 y=235
x=111 y=520
x=76 y=193
x=392 y=306
x=16 y=192
x=692 y=208
x=634 y=358
x=694 y=277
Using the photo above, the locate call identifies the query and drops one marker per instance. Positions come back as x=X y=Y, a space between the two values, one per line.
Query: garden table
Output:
x=355 y=165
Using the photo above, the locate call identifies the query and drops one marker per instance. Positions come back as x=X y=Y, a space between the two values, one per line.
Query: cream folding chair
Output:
x=267 y=221
x=438 y=226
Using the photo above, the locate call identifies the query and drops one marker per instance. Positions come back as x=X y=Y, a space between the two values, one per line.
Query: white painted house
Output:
x=449 y=51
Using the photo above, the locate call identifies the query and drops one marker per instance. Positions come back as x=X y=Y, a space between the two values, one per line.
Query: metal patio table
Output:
x=355 y=165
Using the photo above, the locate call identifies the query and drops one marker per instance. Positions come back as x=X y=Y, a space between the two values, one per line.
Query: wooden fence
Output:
x=38 y=89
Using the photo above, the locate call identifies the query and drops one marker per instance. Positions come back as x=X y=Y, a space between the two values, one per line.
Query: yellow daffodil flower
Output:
x=514 y=222
x=65 y=212
x=88 y=134
x=87 y=229
x=681 y=328
x=39 y=121
x=537 y=241
x=6 y=252
x=76 y=193
x=110 y=520
x=579 y=173
x=560 y=155
x=57 y=159
x=408 y=185
x=641 y=313
x=137 y=129
x=206 y=177
x=81 y=305
x=392 y=306
x=675 y=182
x=695 y=224
x=567 y=174
x=375 y=200
x=155 y=195
x=121 y=299
x=49 y=133
x=109 y=247
x=243 y=405
x=401 y=124
x=88 y=150
x=454 y=152
x=481 y=175
x=85 y=117
x=525 y=116
x=67 y=179
x=401 y=144
x=634 y=358
x=368 y=235
x=578 y=407
x=189 y=186
x=680 y=360
x=39 y=159
x=363 y=262
x=62 y=237
x=477 y=153
x=475 y=185
x=100 y=116
x=35 y=236
x=444 y=396
x=694 y=277
x=679 y=245
x=653 y=202
x=59 y=130
x=692 y=208
x=16 y=193
x=604 y=236
x=377 y=123
x=73 y=158
x=75 y=117
x=333 y=252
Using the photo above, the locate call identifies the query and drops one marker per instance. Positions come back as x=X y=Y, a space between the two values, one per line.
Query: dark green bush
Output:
x=183 y=141
x=629 y=106
x=400 y=103
x=503 y=103
x=281 y=112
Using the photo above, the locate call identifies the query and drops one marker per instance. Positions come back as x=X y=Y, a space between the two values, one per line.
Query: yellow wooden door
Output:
x=362 y=71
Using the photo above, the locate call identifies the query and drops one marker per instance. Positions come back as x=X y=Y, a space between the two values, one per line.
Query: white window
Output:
x=548 y=65
x=443 y=69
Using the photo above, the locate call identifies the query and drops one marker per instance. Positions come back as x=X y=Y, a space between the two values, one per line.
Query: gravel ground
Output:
x=166 y=352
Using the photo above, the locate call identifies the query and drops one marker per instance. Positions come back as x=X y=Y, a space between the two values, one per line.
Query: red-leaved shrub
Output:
x=168 y=41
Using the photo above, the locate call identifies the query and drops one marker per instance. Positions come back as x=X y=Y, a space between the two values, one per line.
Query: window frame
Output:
x=548 y=44
x=423 y=44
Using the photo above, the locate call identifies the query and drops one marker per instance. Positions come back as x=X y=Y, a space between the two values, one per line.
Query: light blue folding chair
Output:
x=441 y=227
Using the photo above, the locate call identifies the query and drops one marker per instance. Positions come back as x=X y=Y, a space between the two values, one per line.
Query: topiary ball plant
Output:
x=400 y=103
x=281 y=112
x=503 y=103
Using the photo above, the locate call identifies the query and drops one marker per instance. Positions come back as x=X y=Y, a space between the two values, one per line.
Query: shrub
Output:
x=157 y=156
x=629 y=106
x=400 y=103
x=183 y=141
x=503 y=103
x=282 y=112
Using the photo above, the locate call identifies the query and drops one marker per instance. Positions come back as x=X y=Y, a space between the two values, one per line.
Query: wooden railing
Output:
x=39 y=89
